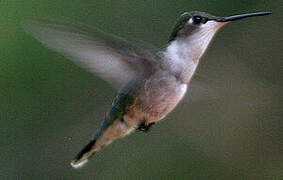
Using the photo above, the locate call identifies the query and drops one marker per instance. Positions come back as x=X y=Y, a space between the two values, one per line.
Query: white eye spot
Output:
x=191 y=21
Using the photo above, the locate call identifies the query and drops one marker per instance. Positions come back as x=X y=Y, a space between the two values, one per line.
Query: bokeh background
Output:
x=50 y=108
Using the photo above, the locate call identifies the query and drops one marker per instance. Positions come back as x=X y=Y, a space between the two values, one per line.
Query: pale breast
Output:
x=160 y=95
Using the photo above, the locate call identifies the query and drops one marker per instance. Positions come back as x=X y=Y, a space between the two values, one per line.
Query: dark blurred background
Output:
x=50 y=108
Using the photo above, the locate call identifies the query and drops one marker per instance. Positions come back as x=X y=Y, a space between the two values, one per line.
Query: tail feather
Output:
x=103 y=137
x=84 y=155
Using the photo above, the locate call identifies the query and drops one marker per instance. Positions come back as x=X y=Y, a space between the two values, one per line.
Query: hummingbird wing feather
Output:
x=112 y=58
x=113 y=126
x=202 y=89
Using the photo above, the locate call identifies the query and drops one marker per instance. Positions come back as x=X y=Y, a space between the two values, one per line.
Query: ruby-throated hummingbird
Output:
x=150 y=82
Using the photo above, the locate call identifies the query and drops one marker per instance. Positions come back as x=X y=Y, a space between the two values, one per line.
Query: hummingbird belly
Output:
x=158 y=96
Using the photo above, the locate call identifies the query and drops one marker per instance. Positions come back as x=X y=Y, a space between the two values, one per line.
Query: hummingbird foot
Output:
x=145 y=127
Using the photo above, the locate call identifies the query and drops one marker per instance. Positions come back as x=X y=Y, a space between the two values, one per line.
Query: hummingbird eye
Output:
x=197 y=19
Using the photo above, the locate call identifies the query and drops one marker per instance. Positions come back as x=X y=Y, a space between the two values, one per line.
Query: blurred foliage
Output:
x=49 y=108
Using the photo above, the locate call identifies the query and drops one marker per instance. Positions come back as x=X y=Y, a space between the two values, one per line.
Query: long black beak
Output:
x=241 y=16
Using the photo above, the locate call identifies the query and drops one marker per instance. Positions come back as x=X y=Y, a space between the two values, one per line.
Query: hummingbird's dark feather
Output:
x=145 y=127
x=113 y=121
x=113 y=58
x=179 y=25
x=184 y=18
x=86 y=150
x=124 y=99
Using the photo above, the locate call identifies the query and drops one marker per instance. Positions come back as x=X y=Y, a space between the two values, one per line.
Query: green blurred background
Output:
x=50 y=108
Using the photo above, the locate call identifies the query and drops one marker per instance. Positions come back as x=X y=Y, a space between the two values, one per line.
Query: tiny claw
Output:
x=145 y=127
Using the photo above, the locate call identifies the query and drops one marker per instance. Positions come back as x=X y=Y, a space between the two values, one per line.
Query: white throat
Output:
x=182 y=55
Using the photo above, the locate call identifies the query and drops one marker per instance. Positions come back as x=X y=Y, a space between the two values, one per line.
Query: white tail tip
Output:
x=79 y=165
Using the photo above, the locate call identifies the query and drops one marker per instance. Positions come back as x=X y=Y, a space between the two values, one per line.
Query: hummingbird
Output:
x=150 y=81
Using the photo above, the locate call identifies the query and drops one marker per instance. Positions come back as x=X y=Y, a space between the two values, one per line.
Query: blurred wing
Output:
x=202 y=89
x=112 y=58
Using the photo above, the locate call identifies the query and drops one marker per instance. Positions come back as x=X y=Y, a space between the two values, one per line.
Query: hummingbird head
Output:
x=190 y=37
x=195 y=22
